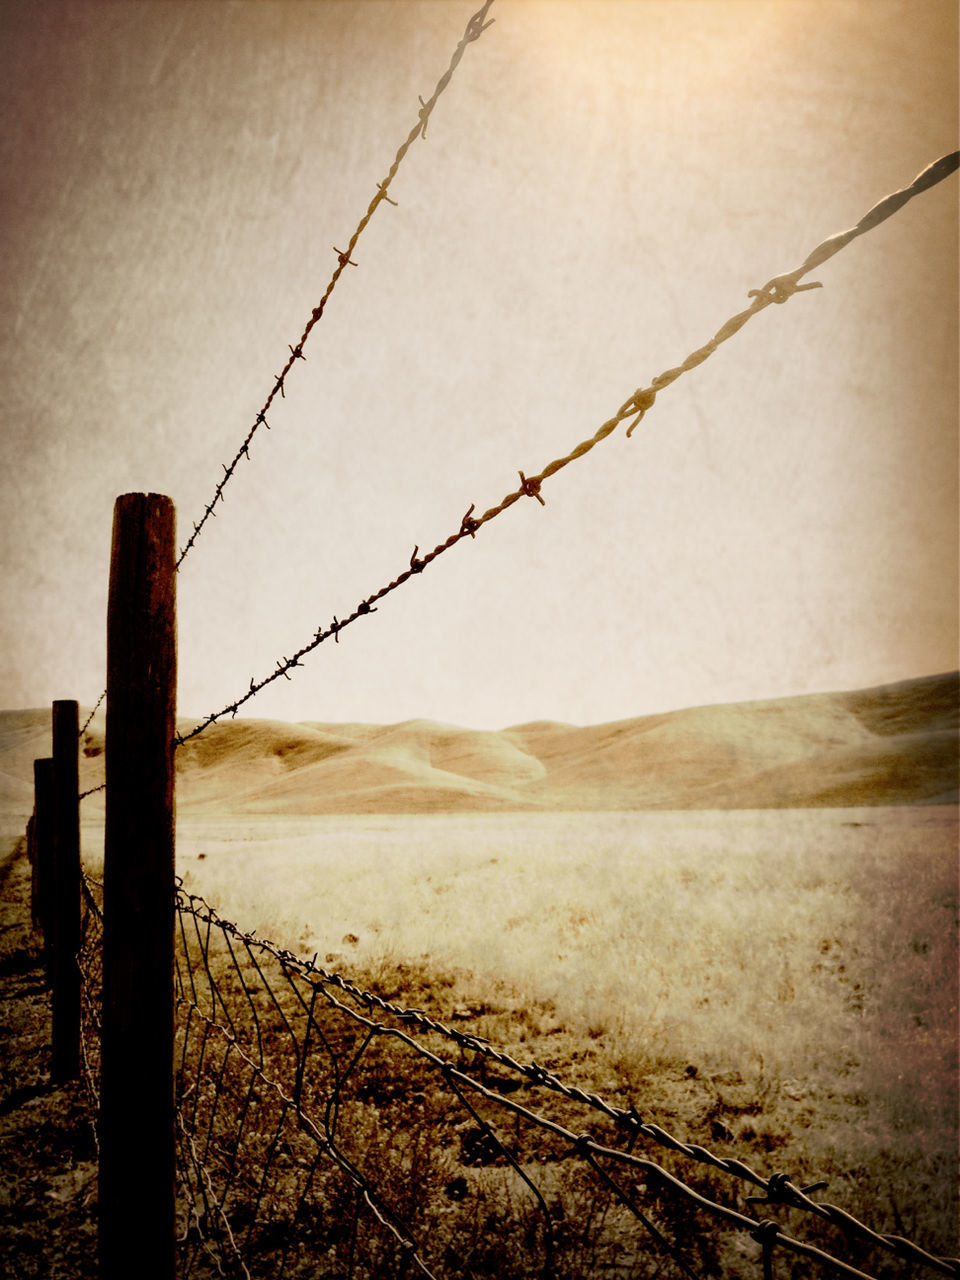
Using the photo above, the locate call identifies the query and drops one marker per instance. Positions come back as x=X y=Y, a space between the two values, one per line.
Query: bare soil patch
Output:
x=47 y=1150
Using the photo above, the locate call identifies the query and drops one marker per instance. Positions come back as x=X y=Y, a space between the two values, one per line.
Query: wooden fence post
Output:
x=64 y=913
x=137 y=1173
x=43 y=791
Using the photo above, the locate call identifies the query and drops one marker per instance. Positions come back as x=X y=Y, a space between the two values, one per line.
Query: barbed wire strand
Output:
x=778 y=1189
x=794 y=1197
x=474 y=29
x=86 y=724
x=777 y=290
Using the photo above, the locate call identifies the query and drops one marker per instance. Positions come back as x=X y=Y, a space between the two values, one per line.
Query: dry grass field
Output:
x=782 y=983
x=776 y=983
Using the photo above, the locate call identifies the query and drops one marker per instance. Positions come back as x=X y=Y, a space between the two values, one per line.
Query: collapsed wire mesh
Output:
x=90 y=964
x=320 y=1124
x=274 y=1052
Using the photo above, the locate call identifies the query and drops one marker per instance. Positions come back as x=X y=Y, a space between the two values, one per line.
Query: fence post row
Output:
x=137 y=1171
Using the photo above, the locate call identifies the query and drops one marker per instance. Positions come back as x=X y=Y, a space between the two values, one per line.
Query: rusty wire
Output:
x=86 y=724
x=474 y=29
x=777 y=290
x=242 y=995
x=83 y=729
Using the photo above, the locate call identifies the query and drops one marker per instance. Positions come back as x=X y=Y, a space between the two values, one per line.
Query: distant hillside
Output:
x=896 y=744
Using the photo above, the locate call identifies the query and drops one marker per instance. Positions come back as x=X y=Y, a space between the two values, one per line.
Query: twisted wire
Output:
x=86 y=724
x=777 y=290
x=474 y=29
x=210 y=1007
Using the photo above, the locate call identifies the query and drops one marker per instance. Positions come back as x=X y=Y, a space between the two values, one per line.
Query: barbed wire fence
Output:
x=260 y=1160
x=324 y=1130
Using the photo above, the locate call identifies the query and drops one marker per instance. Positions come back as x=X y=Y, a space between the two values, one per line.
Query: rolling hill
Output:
x=895 y=744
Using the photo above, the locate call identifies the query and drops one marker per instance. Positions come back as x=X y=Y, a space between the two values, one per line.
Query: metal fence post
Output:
x=137 y=1173
x=64 y=911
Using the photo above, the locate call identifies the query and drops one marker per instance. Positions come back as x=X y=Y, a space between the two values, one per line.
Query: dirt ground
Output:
x=48 y=1185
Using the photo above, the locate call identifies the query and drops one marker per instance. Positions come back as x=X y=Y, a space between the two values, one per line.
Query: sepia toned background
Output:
x=599 y=188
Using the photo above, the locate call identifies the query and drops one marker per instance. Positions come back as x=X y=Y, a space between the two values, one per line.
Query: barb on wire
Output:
x=475 y=28
x=777 y=290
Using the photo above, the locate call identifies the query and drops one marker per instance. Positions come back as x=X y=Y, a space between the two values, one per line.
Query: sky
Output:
x=600 y=186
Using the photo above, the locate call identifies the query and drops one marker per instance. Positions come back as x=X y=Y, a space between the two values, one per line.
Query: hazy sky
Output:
x=599 y=188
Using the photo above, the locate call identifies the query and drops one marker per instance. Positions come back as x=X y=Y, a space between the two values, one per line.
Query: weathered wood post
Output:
x=64 y=911
x=43 y=793
x=137 y=1196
